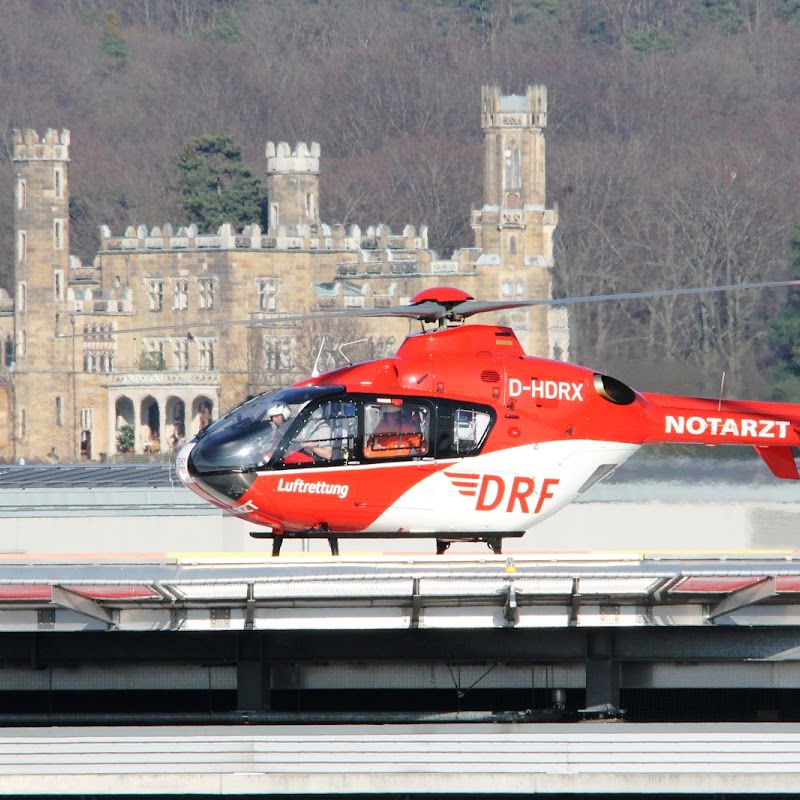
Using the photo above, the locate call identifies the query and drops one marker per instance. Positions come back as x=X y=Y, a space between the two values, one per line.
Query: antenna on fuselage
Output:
x=347 y=344
x=315 y=371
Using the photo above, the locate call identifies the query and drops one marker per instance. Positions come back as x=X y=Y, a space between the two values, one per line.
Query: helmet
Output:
x=279 y=408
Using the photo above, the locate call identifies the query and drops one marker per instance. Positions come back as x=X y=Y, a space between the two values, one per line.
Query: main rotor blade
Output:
x=431 y=311
x=428 y=311
x=470 y=307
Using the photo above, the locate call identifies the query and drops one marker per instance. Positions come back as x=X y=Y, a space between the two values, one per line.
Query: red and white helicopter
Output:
x=460 y=436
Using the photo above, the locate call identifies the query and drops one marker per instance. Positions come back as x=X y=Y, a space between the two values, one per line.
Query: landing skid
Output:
x=494 y=543
x=277 y=543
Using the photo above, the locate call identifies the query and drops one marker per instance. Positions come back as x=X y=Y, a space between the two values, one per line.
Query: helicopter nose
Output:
x=221 y=464
x=181 y=464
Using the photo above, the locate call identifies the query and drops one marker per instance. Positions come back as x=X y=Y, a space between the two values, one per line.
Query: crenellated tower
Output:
x=292 y=184
x=514 y=229
x=44 y=395
x=513 y=217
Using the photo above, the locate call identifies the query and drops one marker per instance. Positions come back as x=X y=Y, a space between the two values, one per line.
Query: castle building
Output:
x=168 y=328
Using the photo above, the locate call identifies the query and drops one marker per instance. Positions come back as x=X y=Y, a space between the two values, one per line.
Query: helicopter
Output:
x=460 y=436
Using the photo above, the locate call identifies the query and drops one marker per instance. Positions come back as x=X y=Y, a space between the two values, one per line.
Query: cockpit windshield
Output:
x=249 y=433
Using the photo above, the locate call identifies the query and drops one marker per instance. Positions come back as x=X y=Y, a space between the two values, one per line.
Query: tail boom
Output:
x=773 y=429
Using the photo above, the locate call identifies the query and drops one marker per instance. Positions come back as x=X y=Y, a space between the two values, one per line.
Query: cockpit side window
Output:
x=327 y=437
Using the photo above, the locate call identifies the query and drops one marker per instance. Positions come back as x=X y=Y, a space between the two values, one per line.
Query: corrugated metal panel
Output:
x=331 y=618
x=324 y=760
x=339 y=588
x=79 y=476
x=119 y=677
x=740 y=675
x=633 y=584
x=717 y=584
x=453 y=587
x=25 y=591
x=209 y=591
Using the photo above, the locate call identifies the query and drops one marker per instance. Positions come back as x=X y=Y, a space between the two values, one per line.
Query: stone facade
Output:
x=202 y=312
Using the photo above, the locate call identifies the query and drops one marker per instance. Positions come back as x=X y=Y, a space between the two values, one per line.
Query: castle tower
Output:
x=292 y=184
x=43 y=372
x=513 y=228
x=514 y=174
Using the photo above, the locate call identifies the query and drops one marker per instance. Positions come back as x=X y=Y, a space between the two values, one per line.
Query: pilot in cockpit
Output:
x=279 y=415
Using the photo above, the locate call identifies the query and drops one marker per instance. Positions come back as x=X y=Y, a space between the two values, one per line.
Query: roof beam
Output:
x=746 y=596
x=82 y=604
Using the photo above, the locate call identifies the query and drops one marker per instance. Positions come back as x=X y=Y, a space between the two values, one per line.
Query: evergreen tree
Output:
x=225 y=28
x=113 y=43
x=215 y=185
x=784 y=336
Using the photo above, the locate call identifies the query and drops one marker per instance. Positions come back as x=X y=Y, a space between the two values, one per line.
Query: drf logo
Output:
x=505 y=493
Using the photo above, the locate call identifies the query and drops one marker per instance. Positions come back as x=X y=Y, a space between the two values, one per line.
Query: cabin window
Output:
x=469 y=430
x=461 y=429
x=394 y=429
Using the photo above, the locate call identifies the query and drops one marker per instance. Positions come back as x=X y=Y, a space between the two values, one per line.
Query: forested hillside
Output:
x=672 y=137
